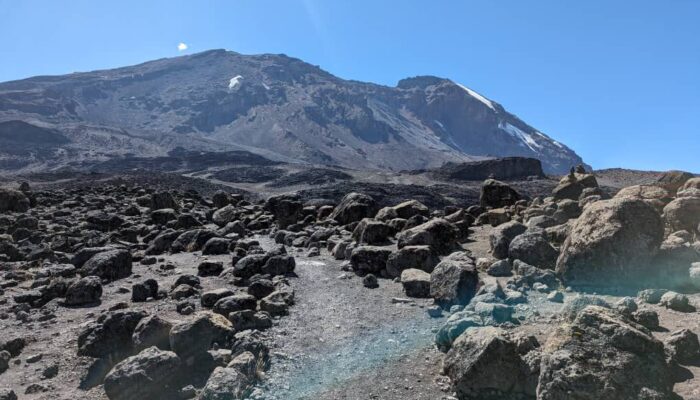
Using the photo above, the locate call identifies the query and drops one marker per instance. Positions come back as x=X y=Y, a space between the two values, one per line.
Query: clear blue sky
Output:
x=618 y=81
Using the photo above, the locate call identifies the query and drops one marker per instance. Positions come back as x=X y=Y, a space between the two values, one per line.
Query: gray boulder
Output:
x=533 y=248
x=416 y=283
x=454 y=280
x=484 y=363
x=353 y=207
x=611 y=243
x=420 y=257
x=496 y=194
x=191 y=339
x=683 y=346
x=501 y=236
x=151 y=374
x=617 y=360
x=369 y=259
x=437 y=233
x=225 y=384
x=13 y=200
x=109 y=265
x=109 y=335
x=87 y=290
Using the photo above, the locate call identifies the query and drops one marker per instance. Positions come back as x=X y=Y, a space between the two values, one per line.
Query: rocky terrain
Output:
x=267 y=280
x=272 y=105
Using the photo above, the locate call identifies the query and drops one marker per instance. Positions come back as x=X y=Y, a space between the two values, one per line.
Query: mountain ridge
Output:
x=273 y=105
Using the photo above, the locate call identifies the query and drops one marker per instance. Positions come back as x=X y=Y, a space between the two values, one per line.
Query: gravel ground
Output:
x=344 y=341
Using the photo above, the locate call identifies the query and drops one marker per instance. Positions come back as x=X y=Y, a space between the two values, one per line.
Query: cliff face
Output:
x=499 y=168
x=272 y=105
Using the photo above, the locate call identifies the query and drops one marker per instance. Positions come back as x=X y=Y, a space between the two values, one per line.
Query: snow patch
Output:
x=517 y=133
x=235 y=82
x=477 y=96
x=266 y=86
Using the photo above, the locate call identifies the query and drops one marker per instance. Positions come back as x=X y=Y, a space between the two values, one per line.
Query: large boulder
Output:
x=572 y=186
x=656 y=196
x=225 y=384
x=152 y=331
x=420 y=257
x=673 y=180
x=109 y=335
x=683 y=213
x=163 y=200
x=353 y=207
x=13 y=200
x=485 y=364
x=405 y=210
x=109 y=265
x=437 y=233
x=684 y=347
x=601 y=355
x=372 y=232
x=287 y=209
x=496 y=194
x=151 y=374
x=369 y=259
x=689 y=185
x=416 y=283
x=224 y=215
x=501 y=236
x=454 y=280
x=87 y=290
x=533 y=248
x=611 y=243
x=192 y=240
x=191 y=340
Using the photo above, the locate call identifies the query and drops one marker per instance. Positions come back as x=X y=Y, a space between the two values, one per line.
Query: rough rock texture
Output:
x=13 y=200
x=110 y=265
x=533 y=248
x=612 y=242
x=600 y=355
x=497 y=194
x=353 y=207
x=501 y=236
x=683 y=213
x=454 y=280
x=654 y=195
x=439 y=234
x=422 y=122
x=500 y=168
x=151 y=374
x=484 y=363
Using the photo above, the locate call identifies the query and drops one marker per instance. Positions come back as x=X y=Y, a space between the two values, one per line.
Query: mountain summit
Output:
x=273 y=105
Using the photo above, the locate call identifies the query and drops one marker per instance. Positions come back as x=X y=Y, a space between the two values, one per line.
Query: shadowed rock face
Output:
x=500 y=168
x=279 y=107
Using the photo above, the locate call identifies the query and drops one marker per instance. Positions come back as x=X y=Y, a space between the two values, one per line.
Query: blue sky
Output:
x=618 y=81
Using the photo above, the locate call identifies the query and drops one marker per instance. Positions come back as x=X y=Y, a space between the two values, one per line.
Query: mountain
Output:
x=273 y=105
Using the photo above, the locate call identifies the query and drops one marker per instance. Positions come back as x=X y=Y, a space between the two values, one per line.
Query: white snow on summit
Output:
x=517 y=133
x=478 y=96
x=235 y=82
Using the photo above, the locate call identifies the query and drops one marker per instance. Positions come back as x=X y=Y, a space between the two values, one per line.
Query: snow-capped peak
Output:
x=477 y=96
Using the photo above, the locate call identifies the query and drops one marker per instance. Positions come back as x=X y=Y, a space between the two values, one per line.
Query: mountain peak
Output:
x=277 y=106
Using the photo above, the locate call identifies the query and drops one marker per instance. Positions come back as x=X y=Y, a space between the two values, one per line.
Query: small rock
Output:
x=370 y=281
x=677 y=302
x=435 y=311
x=556 y=297
x=684 y=346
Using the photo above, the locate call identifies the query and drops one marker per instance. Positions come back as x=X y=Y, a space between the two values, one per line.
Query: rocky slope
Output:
x=273 y=105
x=121 y=290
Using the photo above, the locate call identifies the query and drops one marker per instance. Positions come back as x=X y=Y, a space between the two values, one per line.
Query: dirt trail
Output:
x=344 y=341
